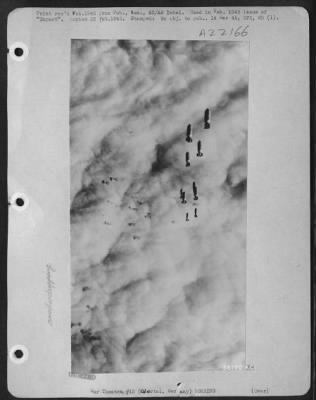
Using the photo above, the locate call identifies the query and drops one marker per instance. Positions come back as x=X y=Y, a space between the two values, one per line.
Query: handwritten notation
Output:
x=240 y=32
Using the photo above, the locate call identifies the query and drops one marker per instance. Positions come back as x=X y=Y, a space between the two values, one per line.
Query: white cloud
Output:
x=157 y=292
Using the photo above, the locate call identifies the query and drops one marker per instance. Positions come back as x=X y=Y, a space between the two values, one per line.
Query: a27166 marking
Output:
x=240 y=31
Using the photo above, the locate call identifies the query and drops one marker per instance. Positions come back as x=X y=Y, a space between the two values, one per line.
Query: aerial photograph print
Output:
x=158 y=207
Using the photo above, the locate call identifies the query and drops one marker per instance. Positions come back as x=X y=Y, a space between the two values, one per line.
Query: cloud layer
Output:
x=152 y=291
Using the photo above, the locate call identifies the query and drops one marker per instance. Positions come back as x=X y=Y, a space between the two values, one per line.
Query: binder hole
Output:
x=19 y=201
x=18 y=51
x=18 y=354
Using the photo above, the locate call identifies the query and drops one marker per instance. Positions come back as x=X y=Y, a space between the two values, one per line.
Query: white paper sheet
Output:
x=162 y=243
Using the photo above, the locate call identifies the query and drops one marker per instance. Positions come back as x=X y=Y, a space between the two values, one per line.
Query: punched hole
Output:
x=19 y=202
x=18 y=51
x=18 y=354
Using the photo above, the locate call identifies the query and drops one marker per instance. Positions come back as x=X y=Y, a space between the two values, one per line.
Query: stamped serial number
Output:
x=240 y=31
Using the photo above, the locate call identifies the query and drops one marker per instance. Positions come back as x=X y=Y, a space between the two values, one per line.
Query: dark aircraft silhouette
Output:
x=187 y=159
x=207 y=123
x=199 y=147
x=189 y=134
x=182 y=196
x=195 y=191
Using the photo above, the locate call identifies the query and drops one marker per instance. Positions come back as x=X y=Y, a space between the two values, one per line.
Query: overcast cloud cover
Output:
x=150 y=290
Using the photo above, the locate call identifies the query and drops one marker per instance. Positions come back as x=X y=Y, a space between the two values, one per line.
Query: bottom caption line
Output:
x=157 y=391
